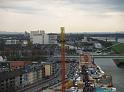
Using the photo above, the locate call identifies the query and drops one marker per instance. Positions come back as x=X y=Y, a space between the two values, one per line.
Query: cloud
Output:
x=39 y=6
x=99 y=5
x=20 y=6
x=75 y=14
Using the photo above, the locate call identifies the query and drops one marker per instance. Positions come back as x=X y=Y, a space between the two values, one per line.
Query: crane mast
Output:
x=62 y=59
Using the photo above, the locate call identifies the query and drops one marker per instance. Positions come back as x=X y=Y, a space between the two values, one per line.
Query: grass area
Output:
x=119 y=49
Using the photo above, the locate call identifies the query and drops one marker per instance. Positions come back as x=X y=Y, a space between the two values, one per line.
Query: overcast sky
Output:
x=49 y=15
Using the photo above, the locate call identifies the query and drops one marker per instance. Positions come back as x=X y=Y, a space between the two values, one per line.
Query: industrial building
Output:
x=40 y=37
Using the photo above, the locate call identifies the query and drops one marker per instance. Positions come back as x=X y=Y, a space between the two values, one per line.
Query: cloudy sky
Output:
x=49 y=15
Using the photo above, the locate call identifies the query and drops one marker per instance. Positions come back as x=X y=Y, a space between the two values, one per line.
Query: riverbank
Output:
x=119 y=62
x=108 y=66
x=118 y=49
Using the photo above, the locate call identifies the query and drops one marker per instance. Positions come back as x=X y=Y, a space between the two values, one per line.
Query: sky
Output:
x=50 y=15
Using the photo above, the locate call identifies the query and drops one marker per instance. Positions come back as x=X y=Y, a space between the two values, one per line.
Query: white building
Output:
x=84 y=39
x=38 y=32
x=14 y=41
x=39 y=37
x=1 y=59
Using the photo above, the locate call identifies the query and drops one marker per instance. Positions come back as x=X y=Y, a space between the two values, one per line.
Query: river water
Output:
x=109 y=67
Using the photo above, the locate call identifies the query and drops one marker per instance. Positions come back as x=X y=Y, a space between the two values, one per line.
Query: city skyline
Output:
x=74 y=15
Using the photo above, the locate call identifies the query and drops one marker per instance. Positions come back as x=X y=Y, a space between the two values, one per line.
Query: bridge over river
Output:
x=96 y=56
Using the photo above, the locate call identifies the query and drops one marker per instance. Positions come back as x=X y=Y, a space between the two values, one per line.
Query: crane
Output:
x=62 y=59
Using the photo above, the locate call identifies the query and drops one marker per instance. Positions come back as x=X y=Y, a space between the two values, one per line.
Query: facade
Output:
x=1 y=59
x=52 y=38
x=7 y=85
x=17 y=82
x=14 y=80
x=7 y=81
x=39 y=37
x=10 y=41
x=16 y=41
x=4 y=66
x=18 y=64
x=42 y=32
x=84 y=39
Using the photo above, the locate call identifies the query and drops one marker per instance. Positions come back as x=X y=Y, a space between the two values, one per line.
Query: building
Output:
x=52 y=38
x=7 y=66
x=85 y=39
x=39 y=37
x=7 y=81
x=4 y=66
x=38 y=32
x=12 y=81
x=19 y=64
x=15 y=38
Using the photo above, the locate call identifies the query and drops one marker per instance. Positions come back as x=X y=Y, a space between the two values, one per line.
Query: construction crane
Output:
x=62 y=59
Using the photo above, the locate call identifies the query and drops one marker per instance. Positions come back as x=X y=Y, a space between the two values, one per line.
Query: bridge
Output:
x=109 y=56
x=96 y=56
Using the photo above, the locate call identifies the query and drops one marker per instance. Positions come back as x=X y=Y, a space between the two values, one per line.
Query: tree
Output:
x=2 y=44
x=30 y=43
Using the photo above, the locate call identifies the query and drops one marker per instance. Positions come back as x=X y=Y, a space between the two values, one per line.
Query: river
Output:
x=109 y=67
